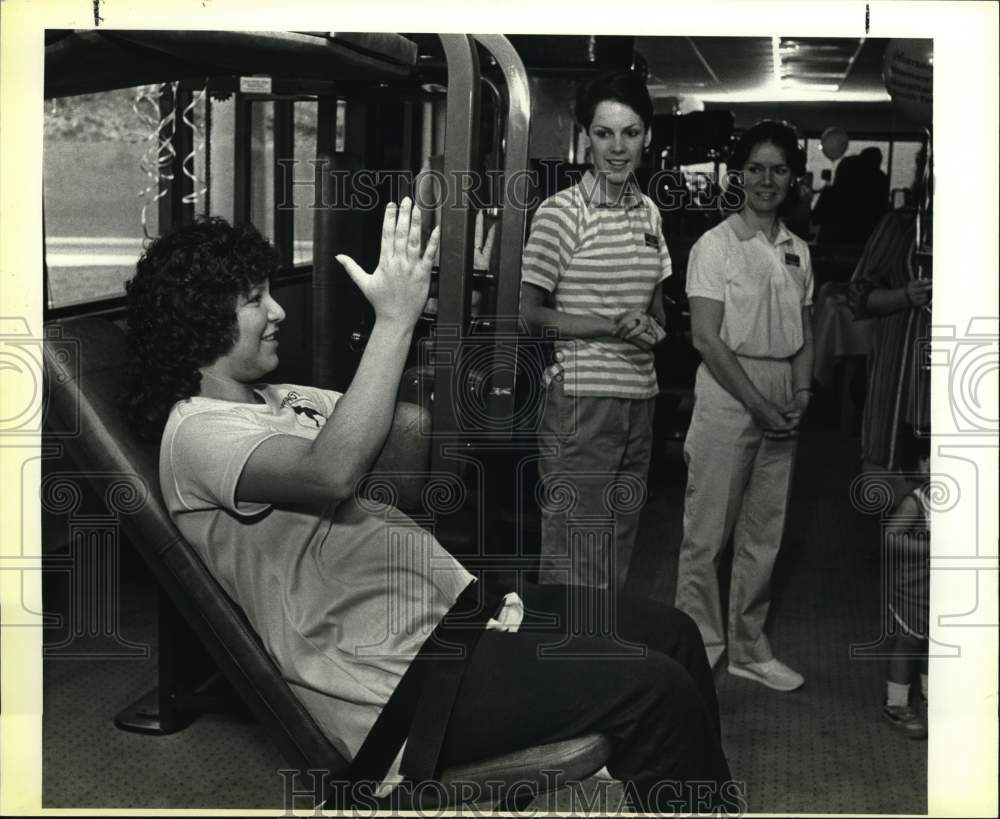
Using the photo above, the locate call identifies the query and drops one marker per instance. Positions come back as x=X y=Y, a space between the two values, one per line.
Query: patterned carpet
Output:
x=823 y=749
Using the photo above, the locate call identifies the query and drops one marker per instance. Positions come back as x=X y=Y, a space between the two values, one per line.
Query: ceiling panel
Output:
x=741 y=63
x=764 y=66
x=866 y=73
x=675 y=64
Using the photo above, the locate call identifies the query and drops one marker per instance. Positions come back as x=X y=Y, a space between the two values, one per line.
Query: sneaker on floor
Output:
x=774 y=674
x=905 y=720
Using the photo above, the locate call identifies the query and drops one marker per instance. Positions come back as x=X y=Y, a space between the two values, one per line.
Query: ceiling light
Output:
x=776 y=58
x=812 y=75
x=816 y=58
x=828 y=47
x=828 y=87
x=793 y=93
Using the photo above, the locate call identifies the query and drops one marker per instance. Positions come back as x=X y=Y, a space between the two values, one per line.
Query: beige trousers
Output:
x=738 y=484
x=593 y=486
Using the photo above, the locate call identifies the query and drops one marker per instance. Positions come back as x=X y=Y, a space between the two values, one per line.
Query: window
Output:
x=903 y=168
x=98 y=174
x=304 y=196
x=898 y=162
x=262 y=168
x=263 y=159
x=101 y=157
x=817 y=162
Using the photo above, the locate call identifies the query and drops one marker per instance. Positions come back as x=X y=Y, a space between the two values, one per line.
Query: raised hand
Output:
x=398 y=287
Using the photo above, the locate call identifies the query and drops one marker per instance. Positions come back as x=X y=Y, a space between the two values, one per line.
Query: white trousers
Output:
x=738 y=484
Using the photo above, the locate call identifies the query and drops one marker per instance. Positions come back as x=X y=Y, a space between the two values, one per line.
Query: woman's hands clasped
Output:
x=778 y=422
x=398 y=287
x=639 y=328
x=792 y=412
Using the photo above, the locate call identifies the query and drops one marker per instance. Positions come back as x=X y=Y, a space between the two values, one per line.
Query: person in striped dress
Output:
x=591 y=278
x=889 y=283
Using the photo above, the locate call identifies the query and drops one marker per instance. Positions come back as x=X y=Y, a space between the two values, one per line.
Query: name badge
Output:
x=652 y=241
x=791 y=258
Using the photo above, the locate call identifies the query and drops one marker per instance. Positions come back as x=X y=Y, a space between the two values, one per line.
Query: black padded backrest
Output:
x=83 y=366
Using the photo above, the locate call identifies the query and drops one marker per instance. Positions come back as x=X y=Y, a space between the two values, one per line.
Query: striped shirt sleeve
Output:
x=666 y=266
x=551 y=244
x=874 y=268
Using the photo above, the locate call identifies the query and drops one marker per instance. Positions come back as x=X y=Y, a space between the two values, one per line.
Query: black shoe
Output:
x=905 y=720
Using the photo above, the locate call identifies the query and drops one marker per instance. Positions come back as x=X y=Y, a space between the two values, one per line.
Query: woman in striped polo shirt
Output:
x=592 y=273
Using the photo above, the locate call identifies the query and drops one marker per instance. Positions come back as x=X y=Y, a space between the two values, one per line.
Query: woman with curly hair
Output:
x=177 y=324
x=749 y=281
x=347 y=594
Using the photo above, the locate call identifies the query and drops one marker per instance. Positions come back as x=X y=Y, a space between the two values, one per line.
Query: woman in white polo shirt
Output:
x=750 y=283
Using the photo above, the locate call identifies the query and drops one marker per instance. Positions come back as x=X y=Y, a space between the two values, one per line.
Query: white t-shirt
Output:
x=763 y=286
x=342 y=595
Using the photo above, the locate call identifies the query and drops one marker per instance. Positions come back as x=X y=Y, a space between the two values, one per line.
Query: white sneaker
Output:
x=774 y=674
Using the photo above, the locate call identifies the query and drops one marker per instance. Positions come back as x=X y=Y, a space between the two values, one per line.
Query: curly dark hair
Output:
x=182 y=312
x=626 y=87
x=784 y=136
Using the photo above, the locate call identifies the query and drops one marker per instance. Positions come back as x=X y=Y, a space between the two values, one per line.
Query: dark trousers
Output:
x=645 y=682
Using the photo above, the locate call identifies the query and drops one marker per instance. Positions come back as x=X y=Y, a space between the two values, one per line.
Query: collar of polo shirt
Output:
x=629 y=198
x=744 y=232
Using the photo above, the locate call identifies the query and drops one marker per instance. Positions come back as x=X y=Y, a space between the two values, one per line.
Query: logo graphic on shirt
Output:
x=306 y=412
x=309 y=416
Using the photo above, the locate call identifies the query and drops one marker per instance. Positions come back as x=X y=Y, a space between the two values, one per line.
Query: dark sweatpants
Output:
x=655 y=696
